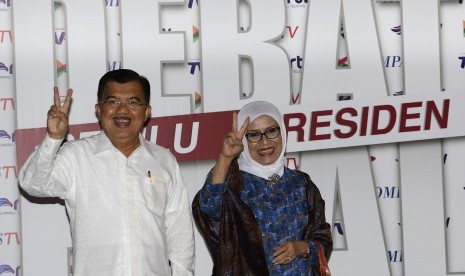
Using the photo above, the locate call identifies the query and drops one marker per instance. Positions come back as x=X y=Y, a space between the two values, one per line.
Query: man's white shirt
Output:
x=128 y=215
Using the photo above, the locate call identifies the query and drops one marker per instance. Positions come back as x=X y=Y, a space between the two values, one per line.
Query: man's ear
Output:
x=97 y=111
x=148 y=112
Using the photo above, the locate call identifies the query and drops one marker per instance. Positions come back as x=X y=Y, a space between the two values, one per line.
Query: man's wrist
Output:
x=56 y=136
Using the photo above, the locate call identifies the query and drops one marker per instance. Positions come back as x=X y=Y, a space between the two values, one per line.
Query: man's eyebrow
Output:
x=131 y=98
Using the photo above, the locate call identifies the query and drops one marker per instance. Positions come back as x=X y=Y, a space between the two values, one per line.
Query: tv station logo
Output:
x=8 y=207
x=6 y=70
x=395 y=256
x=7 y=269
x=9 y=238
x=296 y=64
x=296 y=3
x=392 y=61
x=7 y=139
x=5 y=36
x=5 y=5
x=388 y=192
x=292 y=30
x=9 y=171
x=112 y=3
x=190 y=3
x=462 y=61
x=60 y=36
x=7 y=103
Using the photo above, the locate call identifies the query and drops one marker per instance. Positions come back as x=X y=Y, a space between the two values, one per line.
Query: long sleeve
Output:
x=318 y=231
x=211 y=196
x=179 y=228
x=45 y=173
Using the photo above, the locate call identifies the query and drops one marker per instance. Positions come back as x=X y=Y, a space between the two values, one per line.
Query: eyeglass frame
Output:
x=264 y=133
x=130 y=103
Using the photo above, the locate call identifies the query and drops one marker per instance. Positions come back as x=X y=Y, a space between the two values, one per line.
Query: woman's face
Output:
x=266 y=151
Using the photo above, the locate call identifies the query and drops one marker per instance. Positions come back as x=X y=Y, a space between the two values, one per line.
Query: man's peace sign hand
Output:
x=57 y=116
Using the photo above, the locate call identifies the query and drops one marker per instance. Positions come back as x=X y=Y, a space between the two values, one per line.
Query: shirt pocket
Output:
x=155 y=195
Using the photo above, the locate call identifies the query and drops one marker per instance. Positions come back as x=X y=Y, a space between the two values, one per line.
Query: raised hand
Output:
x=232 y=147
x=57 y=116
x=232 y=142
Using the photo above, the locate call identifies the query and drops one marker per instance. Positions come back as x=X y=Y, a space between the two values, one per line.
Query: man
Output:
x=126 y=200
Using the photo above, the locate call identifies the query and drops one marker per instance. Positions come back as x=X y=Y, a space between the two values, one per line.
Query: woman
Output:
x=257 y=216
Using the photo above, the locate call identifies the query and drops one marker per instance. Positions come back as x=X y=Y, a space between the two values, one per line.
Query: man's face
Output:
x=122 y=123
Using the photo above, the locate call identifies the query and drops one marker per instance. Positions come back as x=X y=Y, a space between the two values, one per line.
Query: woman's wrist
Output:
x=305 y=252
x=221 y=168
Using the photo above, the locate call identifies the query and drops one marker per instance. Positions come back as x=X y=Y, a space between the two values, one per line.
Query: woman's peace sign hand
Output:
x=232 y=142
x=232 y=147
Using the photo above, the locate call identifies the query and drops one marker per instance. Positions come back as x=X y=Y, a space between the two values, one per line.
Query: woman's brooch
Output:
x=274 y=178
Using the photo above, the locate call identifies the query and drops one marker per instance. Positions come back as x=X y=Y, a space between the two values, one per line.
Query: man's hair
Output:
x=123 y=76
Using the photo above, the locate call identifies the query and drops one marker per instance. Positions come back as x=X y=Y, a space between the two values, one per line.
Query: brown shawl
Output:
x=234 y=239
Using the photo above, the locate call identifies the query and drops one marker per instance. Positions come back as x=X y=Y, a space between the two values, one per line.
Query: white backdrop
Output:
x=396 y=208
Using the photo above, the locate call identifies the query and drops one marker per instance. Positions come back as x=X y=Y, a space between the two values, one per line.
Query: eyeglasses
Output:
x=256 y=136
x=115 y=103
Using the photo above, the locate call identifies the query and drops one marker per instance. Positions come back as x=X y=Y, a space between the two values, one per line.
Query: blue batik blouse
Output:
x=280 y=210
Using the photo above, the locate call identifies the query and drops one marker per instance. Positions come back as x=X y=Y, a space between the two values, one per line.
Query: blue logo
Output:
x=4 y=134
x=111 y=3
x=191 y=3
x=6 y=205
x=6 y=139
x=193 y=65
x=393 y=61
x=3 y=67
x=5 y=202
x=115 y=65
x=395 y=256
x=296 y=63
x=462 y=62
x=7 y=69
x=397 y=29
x=6 y=2
x=59 y=39
x=388 y=192
x=297 y=3
x=6 y=269
x=338 y=227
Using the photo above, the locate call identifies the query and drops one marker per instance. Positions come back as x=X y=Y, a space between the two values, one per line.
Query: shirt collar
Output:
x=103 y=143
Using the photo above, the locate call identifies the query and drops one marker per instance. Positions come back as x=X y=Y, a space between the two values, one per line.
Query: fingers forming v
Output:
x=234 y=123
x=67 y=102
x=245 y=125
x=56 y=97
x=57 y=102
